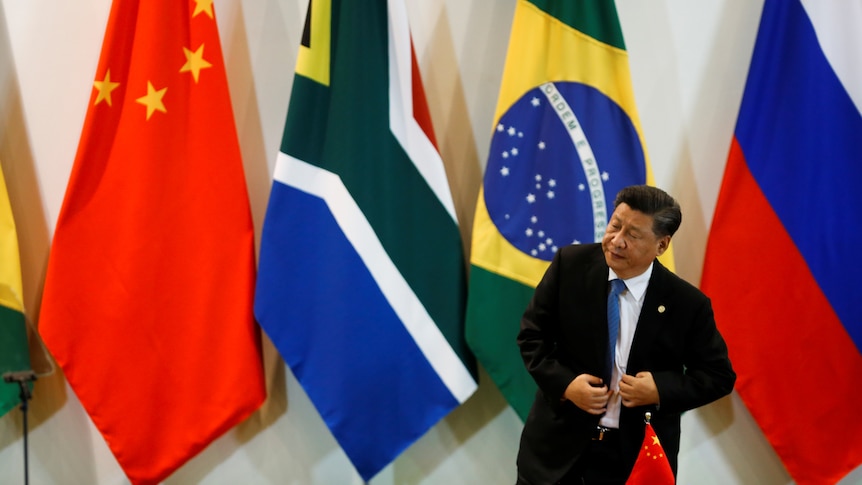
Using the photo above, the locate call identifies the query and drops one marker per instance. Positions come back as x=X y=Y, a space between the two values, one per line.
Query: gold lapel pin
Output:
x=661 y=308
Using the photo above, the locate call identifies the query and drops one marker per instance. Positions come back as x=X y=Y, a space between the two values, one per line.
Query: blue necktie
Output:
x=617 y=287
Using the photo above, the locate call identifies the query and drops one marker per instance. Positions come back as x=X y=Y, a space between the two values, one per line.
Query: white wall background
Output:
x=689 y=62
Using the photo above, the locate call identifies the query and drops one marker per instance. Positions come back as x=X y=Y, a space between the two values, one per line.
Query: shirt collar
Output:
x=636 y=285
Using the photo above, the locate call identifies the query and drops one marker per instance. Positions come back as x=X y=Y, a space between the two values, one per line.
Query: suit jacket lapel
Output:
x=590 y=293
x=652 y=317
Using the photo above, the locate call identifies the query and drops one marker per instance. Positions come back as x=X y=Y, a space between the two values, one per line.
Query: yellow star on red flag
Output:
x=195 y=62
x=105 y=87
x=205 y=6
x=153 y=100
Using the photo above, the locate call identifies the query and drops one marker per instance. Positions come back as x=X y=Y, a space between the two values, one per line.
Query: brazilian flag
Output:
x=566 y=138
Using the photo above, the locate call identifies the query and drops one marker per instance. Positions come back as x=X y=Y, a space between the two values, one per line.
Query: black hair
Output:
x=652 y=201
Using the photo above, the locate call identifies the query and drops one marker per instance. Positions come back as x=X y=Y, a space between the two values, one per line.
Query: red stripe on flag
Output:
x=796 y=365
x=420 y=106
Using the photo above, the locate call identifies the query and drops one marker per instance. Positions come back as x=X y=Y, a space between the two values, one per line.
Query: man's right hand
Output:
x=588 y=393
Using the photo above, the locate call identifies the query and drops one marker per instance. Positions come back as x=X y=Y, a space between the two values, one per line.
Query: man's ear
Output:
x=663 y=244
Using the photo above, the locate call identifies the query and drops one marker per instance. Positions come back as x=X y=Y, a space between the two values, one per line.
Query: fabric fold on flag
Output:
x=14 y=350
x=361 y=285
x=566 y=138
x=782 y=242
x=148 y=299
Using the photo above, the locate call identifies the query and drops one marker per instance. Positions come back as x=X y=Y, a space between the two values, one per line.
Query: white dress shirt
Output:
x=631 y=302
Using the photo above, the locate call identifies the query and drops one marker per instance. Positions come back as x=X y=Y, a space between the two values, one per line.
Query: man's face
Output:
x=629 y=242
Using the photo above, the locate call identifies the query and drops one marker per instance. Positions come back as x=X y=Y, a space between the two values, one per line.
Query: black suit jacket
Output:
x=564 y=333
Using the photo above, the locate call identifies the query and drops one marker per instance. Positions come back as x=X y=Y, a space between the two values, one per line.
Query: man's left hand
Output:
x=638 y=390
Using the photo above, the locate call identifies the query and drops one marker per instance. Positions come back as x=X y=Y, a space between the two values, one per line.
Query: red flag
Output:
x=651 y=467
x=147 y=304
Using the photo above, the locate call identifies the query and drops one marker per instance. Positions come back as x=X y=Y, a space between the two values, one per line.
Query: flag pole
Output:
x=23 y=378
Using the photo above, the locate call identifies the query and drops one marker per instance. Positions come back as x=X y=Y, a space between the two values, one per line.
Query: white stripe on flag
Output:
x=329 y=187
x=404 y=126
x=837 y=25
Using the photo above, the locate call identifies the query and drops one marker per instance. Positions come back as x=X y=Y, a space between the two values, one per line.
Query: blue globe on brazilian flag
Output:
x=558 y=156
x=566 y=139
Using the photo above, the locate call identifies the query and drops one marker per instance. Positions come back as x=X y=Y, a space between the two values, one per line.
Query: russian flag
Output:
x=783 y=251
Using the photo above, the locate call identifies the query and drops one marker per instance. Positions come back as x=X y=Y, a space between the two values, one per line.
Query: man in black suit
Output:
x=587 y=421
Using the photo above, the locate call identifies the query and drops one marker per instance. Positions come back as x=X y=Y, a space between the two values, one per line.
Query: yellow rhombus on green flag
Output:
x=14 y=350
x=566 y=138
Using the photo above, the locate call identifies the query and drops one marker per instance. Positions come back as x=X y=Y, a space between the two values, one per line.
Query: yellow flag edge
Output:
x=11 y=288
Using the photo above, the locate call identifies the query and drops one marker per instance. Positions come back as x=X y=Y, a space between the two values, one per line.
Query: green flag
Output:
x=14 y=351
x=566 y=138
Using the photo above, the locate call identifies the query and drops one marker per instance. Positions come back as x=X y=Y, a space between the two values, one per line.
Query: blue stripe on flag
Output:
x=357 y=362
x=800 y=131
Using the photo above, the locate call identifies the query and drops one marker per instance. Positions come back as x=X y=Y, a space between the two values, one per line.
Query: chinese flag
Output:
x=147 y=305
x=651 y=467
